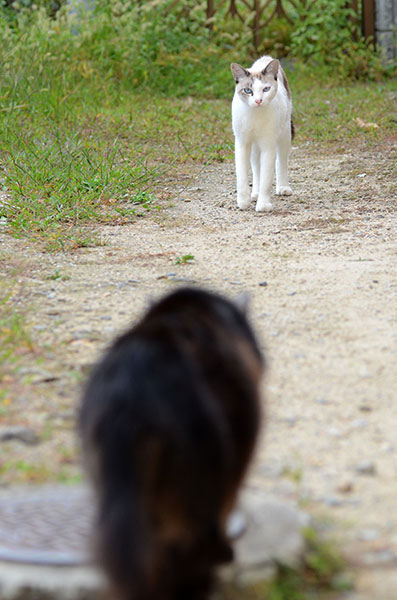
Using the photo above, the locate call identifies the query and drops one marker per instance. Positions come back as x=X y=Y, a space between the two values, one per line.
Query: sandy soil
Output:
x=321 y=271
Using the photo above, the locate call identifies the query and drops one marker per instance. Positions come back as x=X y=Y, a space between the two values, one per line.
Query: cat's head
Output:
x=256 y=89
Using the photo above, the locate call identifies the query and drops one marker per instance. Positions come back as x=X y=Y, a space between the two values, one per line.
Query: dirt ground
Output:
x=321 y=272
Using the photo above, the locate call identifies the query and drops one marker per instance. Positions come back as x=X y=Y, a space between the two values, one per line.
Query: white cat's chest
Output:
x=254 y=122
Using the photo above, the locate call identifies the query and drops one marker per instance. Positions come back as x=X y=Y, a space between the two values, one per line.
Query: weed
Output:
x=5 y=399
x=295 y=474
x=57 y=276
x=23 y=471
x=185 y=259
x=14 y=337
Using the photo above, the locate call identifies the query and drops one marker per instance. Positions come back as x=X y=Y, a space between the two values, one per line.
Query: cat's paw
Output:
x=236 y=524
x=284 y=190
x=254 y=196
x=264 y=206
x=243 y=202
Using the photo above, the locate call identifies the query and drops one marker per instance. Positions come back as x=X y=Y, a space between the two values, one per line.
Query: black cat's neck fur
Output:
x=168 y=422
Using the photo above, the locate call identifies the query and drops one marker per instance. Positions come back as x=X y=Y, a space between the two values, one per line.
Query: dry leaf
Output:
x=365 y=125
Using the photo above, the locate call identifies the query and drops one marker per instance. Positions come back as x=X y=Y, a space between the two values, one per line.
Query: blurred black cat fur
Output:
x=168 y=422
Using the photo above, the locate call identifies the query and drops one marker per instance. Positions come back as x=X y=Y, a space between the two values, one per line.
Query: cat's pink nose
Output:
x=258 y=101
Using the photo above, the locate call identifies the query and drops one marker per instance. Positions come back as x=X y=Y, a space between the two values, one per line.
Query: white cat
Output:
x=263 y=129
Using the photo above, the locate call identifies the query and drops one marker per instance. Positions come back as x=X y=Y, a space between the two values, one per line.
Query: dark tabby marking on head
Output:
x=285 y=82
x=168 y=422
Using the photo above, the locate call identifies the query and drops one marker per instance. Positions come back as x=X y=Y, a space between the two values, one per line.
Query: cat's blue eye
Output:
x=267 y=88
x=248 y=91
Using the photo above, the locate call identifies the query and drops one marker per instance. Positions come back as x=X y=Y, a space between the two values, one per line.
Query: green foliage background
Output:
x=169 y=47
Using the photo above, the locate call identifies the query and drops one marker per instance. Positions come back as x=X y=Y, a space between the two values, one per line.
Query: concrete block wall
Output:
x=386 y=27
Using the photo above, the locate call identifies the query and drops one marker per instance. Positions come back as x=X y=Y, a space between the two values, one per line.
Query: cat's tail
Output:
x=142 y=567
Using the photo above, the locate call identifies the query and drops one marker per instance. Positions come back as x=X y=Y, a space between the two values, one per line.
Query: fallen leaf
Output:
x=365 y=125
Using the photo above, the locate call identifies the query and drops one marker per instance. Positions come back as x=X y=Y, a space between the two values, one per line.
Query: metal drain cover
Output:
x=46 y=525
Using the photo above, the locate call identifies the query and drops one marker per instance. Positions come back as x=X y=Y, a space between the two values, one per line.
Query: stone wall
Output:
x=386 y=27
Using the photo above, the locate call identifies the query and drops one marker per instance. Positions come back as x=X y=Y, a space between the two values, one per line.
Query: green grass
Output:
x=21 y=471
x=62 y=177
x=15 y=338
x=357 y=113
x=184 y=260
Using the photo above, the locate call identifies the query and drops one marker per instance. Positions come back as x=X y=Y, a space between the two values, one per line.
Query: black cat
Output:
x=168 y=422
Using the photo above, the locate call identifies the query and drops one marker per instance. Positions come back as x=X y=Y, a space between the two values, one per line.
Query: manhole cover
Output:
x=46 y=525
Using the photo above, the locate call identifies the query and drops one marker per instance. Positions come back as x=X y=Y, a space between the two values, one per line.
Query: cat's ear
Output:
x=272 y=68
x=243 y=301
x=239 y=72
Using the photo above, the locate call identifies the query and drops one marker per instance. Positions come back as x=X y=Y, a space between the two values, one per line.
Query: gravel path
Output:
x=321 y=271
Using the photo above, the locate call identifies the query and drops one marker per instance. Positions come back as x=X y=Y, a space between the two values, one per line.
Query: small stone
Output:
x=66 y=415
x=20 y=433
x=334 y=432
x=263 y=284
x=360 y=423
x=368 y=535
x=274 y=533
x=367 y=467
x=333 y=501
x=321 y=400
x=345 y=487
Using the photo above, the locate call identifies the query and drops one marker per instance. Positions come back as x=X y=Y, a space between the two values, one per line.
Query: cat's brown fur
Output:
x=168 y=422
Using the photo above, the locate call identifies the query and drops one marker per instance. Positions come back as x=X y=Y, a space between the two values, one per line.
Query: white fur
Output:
x=262 y=129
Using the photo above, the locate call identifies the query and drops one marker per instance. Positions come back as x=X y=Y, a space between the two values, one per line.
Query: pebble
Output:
x=333 y=501
x=321 y=400
x=19 y=433
x=334 y=432
x=360 y=423
x=366 y=467
x=368 y=535
x=345 y=487
x=263 y=284
x=67 y=415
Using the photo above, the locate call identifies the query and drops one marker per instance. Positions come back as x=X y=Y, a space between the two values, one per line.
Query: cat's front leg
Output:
x=242 y=156
x=255 y=166
x=267 y=160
